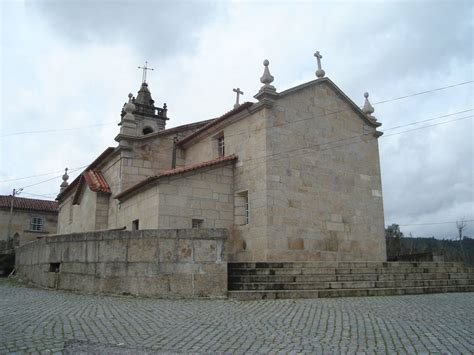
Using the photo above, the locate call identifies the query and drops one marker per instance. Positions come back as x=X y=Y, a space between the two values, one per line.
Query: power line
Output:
x=386 y=129
x=424 y=92
x=433 y=223
x=330 y=113
x=320 y=150
x=312 y=147
x=44 y=174
x=39 y=195
x=55 y=177
x=432 y=125
x=429 y=119
x=56 y=130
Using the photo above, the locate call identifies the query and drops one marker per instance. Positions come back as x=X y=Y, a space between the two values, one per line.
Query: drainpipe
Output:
x=173 y=159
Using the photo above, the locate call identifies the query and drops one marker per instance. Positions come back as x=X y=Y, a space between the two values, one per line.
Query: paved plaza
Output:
x=44 y=321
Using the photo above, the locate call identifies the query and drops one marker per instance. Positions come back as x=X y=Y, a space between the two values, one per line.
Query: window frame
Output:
x=221 y=145
x=196 y=223
x=136 y=224
x=36 y=223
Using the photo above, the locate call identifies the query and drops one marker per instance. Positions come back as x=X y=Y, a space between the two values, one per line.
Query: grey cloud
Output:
x=430 y=177
x=160 y=28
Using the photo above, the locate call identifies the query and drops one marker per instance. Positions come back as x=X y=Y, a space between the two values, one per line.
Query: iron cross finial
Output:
x=145 y=68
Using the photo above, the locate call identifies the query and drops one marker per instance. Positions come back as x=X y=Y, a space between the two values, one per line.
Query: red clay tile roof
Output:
x=171 y=172
x=92 y=165
x=31 y=204
x=96 y=181
x=215 y=121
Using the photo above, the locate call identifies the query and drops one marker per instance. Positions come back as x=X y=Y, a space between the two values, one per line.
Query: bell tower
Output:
x=148 y=117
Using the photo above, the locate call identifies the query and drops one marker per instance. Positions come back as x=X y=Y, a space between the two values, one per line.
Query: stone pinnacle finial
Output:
x=266 y=78
x=320 y=72
x=64 y=184
x=368 y=109
x=129 y=106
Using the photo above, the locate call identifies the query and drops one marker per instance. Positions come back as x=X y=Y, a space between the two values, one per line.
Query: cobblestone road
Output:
x=54 y=321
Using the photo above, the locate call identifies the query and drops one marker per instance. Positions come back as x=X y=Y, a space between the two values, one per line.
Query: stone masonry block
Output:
x=142 y=249
x=112 y=250
x=205 y=251
x=185 y=250
x=168 y=250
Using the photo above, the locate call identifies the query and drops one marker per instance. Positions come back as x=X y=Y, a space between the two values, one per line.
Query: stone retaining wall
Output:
x=163 y=263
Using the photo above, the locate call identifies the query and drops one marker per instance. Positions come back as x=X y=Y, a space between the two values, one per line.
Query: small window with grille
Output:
x=221 y=146
x=241 y=208
x=196 y=223
x=36 y=224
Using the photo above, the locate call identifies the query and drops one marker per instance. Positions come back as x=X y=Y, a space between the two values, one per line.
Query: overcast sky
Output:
x=67 y=64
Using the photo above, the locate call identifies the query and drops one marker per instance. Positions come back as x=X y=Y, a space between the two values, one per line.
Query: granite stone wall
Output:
x=162 y=263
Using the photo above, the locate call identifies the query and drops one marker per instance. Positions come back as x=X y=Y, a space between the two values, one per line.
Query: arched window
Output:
x=147 y=130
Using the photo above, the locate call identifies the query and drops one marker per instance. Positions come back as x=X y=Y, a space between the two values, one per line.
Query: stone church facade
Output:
x=294 y=176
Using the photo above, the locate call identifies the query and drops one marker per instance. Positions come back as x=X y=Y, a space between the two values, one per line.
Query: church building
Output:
x=293 y=176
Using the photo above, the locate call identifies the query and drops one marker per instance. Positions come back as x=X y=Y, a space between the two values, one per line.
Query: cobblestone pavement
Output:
x=35 y=320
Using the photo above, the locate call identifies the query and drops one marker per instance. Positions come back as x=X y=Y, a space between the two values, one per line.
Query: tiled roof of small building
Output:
x=31 y=204
x=96 y=181
x=176 y=171
x=105 y=154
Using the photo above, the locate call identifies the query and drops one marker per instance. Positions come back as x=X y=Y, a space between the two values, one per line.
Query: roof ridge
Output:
x=26 y=203
x=216 y=120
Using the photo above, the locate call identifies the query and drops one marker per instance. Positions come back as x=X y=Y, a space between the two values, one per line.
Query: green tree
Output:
x=393 y=238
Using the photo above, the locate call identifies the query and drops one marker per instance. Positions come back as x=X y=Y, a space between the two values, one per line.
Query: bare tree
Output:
x=412 y=242
x=461 y=225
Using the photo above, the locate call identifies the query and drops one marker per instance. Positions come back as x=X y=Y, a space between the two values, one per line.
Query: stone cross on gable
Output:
x=145 y=68
x=238 y=92
x=320 y=72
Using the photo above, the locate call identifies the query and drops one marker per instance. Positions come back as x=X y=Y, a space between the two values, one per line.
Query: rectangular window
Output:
x=135 y=225
x=241 y=208
x=221 y=146
x=196 y=223
x=54 y=267
x=246 y=205
x=36 y=224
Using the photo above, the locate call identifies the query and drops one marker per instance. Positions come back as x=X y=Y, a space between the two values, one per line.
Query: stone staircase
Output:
x=346 y=279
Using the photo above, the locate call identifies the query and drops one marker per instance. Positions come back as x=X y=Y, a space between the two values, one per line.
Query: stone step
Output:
x=335 y=264
x=345 y=271
x=348 y=285
x=284 y=294
x=358 y=277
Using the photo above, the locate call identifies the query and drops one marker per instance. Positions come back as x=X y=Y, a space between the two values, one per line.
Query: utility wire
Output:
x=55 y=177
x=312 y=147
x=330 y=113
x=39 y=195
x=56 y=130
x=126 y=185
x=433 y=223
x=44 y=174
x=315 y=146
x=424 y=92
x=336 y=141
